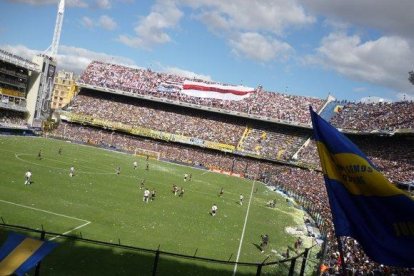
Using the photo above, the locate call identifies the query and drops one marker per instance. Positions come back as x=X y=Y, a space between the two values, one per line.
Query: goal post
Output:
x=150 y=153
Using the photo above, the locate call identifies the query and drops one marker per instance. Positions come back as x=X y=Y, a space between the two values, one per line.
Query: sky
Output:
x=357 y=50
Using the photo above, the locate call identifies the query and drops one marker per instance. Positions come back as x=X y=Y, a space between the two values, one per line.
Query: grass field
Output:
x=109 y=207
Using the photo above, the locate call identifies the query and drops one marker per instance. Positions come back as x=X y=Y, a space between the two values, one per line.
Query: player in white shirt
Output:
x=214 y=210
x=185 y=177
x=72 y=171
x=146 y=195
x=241 y=199
x=28 y=178
x=135 y=165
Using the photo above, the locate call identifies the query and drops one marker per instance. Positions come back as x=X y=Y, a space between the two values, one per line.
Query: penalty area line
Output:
x=67 y=232
x=244 y=229
x=85 y=222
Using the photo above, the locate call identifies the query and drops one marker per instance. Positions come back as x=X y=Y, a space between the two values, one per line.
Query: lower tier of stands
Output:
x=10 y=118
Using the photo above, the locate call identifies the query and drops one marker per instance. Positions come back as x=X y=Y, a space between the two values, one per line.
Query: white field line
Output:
x=85 y=222
x=67 y=232
x=244 y=229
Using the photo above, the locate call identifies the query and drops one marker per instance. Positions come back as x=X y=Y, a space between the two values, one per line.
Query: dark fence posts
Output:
x=157 y=257
x=259 y=269
x=292 y=267
x=259 y=266
x=42 y=237
x=305 y=257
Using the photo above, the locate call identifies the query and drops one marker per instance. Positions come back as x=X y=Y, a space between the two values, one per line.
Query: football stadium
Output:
x=154 y=173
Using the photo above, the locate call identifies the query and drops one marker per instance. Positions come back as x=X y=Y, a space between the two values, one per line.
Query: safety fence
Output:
x=77 y=255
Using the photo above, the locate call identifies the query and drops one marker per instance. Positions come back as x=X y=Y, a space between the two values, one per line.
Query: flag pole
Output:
x=341 y=255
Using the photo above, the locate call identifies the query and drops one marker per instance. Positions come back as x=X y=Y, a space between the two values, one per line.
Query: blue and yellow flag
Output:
x=19 y=254
x=365 y=205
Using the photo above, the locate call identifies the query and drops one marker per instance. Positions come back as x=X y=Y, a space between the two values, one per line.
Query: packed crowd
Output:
x=274 y=142
x=133 y=112
x=10 y=118
x=146 y=82
x=376 y=116
x=306 y=186
x=393 y=156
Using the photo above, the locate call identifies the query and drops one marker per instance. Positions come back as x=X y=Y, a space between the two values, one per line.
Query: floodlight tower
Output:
x=39 y=99
x=58 y=29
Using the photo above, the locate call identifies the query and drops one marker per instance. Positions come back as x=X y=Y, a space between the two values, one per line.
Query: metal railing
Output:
x=154 y=267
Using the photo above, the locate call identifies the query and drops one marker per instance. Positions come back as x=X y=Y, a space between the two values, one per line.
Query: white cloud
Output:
x=252 y=28
x=374 y=99
x=107 y=23
x=383 y=62
x=260 y=48
x=68 y=3
x=250 y=15
x=103 y=4
x=76 y=3
x=21 y=50
x=185 y=73
x=104 y=22
x=390 y=17
x=71 y=58
x=87 y=22
x=151 y=30
x=227 y=19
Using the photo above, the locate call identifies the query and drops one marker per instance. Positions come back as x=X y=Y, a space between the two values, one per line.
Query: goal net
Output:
x=150 y=153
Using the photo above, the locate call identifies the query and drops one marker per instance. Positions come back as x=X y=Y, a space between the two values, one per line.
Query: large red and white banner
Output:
x=216 y=91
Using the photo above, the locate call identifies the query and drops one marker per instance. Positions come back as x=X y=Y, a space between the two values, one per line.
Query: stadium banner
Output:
x=169 y=87
x=146 y=132
x=216 y=91
x=365 y=205
x=197 y=141
x=19 y=254
x=180 y=138
x=219 y=146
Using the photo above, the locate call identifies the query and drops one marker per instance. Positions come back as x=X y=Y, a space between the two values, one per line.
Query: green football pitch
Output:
x=101 y=205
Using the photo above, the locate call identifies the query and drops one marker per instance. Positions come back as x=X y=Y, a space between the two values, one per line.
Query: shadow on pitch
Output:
x=79 y=258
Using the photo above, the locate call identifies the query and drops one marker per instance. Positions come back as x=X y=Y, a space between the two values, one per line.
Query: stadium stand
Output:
x=13 y=90
x=272 y=141
x=282 y=107
x=135 y=112
x=10 y=118
x=375 y=116
x=392 y=155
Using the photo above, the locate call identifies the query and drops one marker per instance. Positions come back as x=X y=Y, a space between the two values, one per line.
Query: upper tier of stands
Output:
x=375 y=116
x=394 y=156
x=288 y=108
